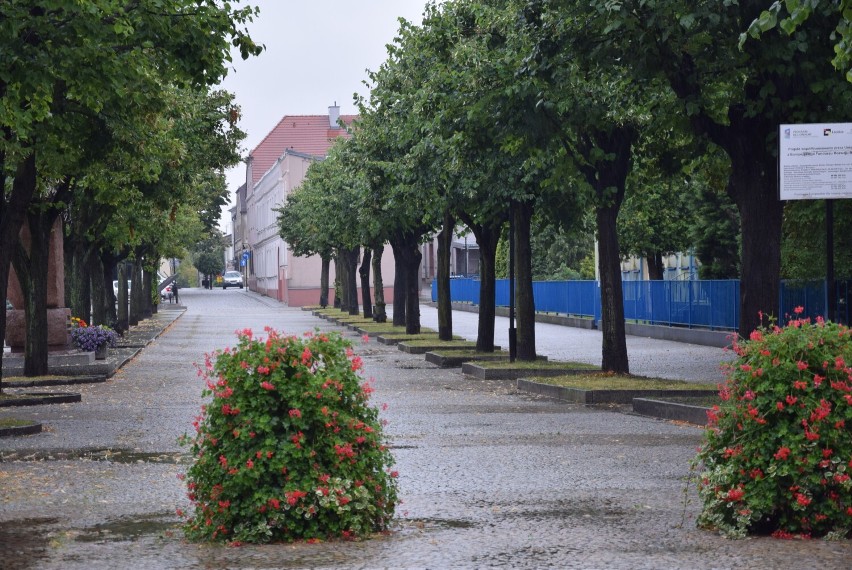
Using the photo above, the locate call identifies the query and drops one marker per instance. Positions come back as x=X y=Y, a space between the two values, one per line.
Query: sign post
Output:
x=815 y=162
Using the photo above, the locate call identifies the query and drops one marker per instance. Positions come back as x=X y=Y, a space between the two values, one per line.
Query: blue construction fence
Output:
x=702 y=304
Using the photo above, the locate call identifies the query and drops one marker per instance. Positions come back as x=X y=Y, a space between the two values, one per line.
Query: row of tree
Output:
x=110 y=123
x=548 y=112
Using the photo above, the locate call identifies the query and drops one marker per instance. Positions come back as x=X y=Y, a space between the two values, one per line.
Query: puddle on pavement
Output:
x=568 y=510
x=433 y=524
x=130 y=528
x=24 y=542
x=126 y=456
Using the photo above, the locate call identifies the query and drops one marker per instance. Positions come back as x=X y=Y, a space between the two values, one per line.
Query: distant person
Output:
x=175 y=291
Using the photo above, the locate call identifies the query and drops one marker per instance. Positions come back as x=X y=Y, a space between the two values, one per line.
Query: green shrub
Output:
x=288 y=448
x=777 y=456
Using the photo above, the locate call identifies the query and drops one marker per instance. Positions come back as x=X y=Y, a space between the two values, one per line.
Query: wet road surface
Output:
x=489 y=476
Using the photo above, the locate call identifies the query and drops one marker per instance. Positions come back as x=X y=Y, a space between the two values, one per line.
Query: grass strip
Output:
x=14 y=422
x=433 y=341
x=539 y=365
x=608 y=381
x=384 y=327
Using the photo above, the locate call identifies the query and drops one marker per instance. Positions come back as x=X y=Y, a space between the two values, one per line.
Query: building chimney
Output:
x=334 y=116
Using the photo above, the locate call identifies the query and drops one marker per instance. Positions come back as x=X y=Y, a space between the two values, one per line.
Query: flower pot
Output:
x=101 y=353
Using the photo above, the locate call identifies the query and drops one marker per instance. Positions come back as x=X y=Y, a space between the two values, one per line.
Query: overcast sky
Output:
x=317 y=53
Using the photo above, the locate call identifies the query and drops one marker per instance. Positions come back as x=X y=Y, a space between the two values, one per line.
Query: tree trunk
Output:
x=122 y=307
x=95 y=268
x=326 y=263
x=134 y=314
x=445 y=304
x=338 y=302
x=109 y=265
x=12 y=216
x=614 y=347
x=412 y=286
x=364 y=272
x=32 y=270
x=655 y=266
x=399 y=284
x=379 y=314
x=352 y=278
x=608 y=175
x=524 y=300
x=148 y=285
x=79 y=281
x=753 y=186
x=487 y=238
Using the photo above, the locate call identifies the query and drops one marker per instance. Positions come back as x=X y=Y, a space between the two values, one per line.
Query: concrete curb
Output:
x=65 y=381
x=445 y=361
x=578 y=396
x=671 y=411
x=41 y=398
x=423 y=349
x=484 y=373
x=29 y=429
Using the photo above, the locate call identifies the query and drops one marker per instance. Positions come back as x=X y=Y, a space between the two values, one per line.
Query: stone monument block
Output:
x=58 y=316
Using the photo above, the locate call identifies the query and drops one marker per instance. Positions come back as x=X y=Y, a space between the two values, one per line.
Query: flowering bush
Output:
x=288 y=448
x=92 y=338
x=777 y=456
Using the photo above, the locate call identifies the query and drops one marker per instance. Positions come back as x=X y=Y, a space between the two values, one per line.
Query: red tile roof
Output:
x=308 y=134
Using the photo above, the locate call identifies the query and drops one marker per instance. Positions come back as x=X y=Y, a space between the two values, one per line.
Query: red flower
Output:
x=294 y=413
x=802 y=365
x=799 y=310
x=782 y=453
x=733 y=495
x=803 y=500
x=267 y=386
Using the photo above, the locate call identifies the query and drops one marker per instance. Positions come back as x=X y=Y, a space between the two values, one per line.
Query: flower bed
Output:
x=288 y=448
x=778 y=455
x=90 y=339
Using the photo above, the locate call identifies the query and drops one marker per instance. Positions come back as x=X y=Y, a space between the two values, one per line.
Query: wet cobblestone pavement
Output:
x=490 y=477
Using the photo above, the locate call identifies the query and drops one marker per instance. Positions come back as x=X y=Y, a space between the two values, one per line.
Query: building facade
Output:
x=276 y=167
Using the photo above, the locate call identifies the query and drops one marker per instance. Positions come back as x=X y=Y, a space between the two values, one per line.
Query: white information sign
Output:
x=815 y=161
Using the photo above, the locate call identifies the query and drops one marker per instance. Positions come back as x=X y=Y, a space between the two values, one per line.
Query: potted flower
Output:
x=94 y=339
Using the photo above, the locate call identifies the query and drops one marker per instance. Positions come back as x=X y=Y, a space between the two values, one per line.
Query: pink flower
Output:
x=294 y=413
x=267 y=386
x=799 y=310
x=802 y=365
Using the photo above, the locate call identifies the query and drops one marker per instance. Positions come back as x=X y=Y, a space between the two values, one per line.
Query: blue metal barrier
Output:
x=713 y=304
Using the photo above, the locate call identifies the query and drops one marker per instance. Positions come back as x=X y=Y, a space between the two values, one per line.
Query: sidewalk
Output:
x=490 y=477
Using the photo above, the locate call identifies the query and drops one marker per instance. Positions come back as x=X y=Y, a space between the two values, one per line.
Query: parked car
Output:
x=166 y=293
x=232 y=279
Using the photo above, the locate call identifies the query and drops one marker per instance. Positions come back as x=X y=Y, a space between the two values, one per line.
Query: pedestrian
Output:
x=175 y=291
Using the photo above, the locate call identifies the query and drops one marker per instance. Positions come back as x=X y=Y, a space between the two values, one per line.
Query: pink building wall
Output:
x=275 y=169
